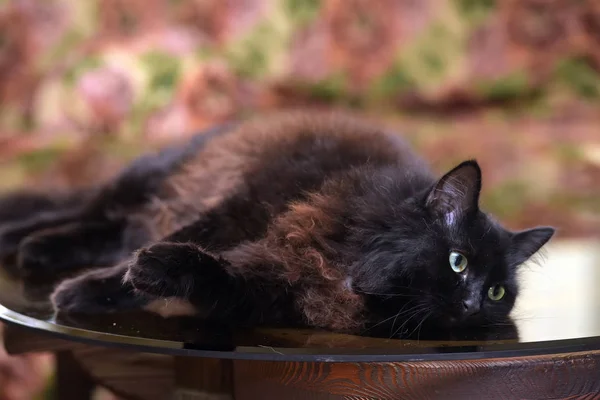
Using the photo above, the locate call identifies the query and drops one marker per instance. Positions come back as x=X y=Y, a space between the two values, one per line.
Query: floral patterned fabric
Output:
x=86 y=85
x=174 y=66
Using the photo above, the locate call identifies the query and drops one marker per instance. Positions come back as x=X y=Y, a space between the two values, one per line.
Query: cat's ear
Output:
x=457 y=192
x=525 y=244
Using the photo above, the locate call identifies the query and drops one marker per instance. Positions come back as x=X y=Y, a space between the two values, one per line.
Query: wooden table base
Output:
x=545 y=377
x=154 y=376
x=203 y=379
x=72 y=381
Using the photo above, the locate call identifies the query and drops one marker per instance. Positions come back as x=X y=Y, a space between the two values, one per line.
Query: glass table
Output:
x=552 y=350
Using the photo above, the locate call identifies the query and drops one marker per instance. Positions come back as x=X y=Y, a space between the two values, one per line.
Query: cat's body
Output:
x=308 y=218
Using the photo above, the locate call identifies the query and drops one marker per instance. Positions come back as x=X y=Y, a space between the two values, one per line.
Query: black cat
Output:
x=310 y=219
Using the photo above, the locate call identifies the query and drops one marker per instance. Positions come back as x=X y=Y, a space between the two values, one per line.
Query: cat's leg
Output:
x=51 y=244
x=198 y=282
x=174 y=284
x=254 y=283
x=23 y=213
x=276 y=278
x=56 y=252
x=163 y=277
x=179 y=267
x=12 y=234
x=23 y=205
x=251 y=284
x=107 y=230
x=176 y=260
x=175 y=279
x=184 y=279
x=97 y=291
x=95 y=233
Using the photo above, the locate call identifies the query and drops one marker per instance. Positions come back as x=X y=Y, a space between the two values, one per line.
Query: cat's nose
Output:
x=470 y=307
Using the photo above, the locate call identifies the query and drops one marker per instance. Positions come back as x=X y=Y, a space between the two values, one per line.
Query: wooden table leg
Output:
x=129 y=374
x=203 y=378
x=72 y=382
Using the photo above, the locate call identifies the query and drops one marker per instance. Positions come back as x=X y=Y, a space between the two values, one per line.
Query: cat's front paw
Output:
x=55 y=253
x=167 y=269
x=37 y=257
x=9 y=244
x=99 y=291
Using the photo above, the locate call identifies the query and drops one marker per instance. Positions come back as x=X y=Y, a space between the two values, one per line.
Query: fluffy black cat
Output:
x=311 y=218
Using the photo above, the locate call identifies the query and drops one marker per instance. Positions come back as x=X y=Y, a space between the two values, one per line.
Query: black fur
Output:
x=332 y=225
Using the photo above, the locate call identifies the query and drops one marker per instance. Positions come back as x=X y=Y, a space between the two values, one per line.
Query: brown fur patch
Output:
x=171 y=307
x=296 y=253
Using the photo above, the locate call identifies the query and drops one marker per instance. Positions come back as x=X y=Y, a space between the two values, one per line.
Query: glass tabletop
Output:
x=558 y=311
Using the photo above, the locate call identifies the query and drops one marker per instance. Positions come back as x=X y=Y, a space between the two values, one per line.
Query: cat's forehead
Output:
x=480 y=234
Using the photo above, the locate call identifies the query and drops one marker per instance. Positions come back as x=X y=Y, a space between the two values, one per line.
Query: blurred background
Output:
x=86 y=86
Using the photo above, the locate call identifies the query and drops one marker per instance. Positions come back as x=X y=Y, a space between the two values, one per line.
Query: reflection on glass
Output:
x=559 y=295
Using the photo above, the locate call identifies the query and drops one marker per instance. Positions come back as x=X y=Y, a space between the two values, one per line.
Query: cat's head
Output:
x=437 y=255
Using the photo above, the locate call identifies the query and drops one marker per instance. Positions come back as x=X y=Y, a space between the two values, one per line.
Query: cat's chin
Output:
x=449 y=322
x=454 y=322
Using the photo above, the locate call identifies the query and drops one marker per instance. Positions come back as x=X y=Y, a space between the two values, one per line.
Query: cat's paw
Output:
x=167 y=269
x=59 y=252
x=9 y=244
x=99 y=291
x=37 y=257
x=14 y=236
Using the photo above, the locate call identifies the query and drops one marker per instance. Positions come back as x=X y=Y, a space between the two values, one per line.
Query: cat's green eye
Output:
x=496 y=292
x=458 y=262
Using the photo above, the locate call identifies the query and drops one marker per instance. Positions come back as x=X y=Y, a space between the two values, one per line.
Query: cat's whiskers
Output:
x=377 y=324
x=398 y=314
x=429 y=313
x=428 y=310
x=420 y=309
x=404 y=323
x=393 y=316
